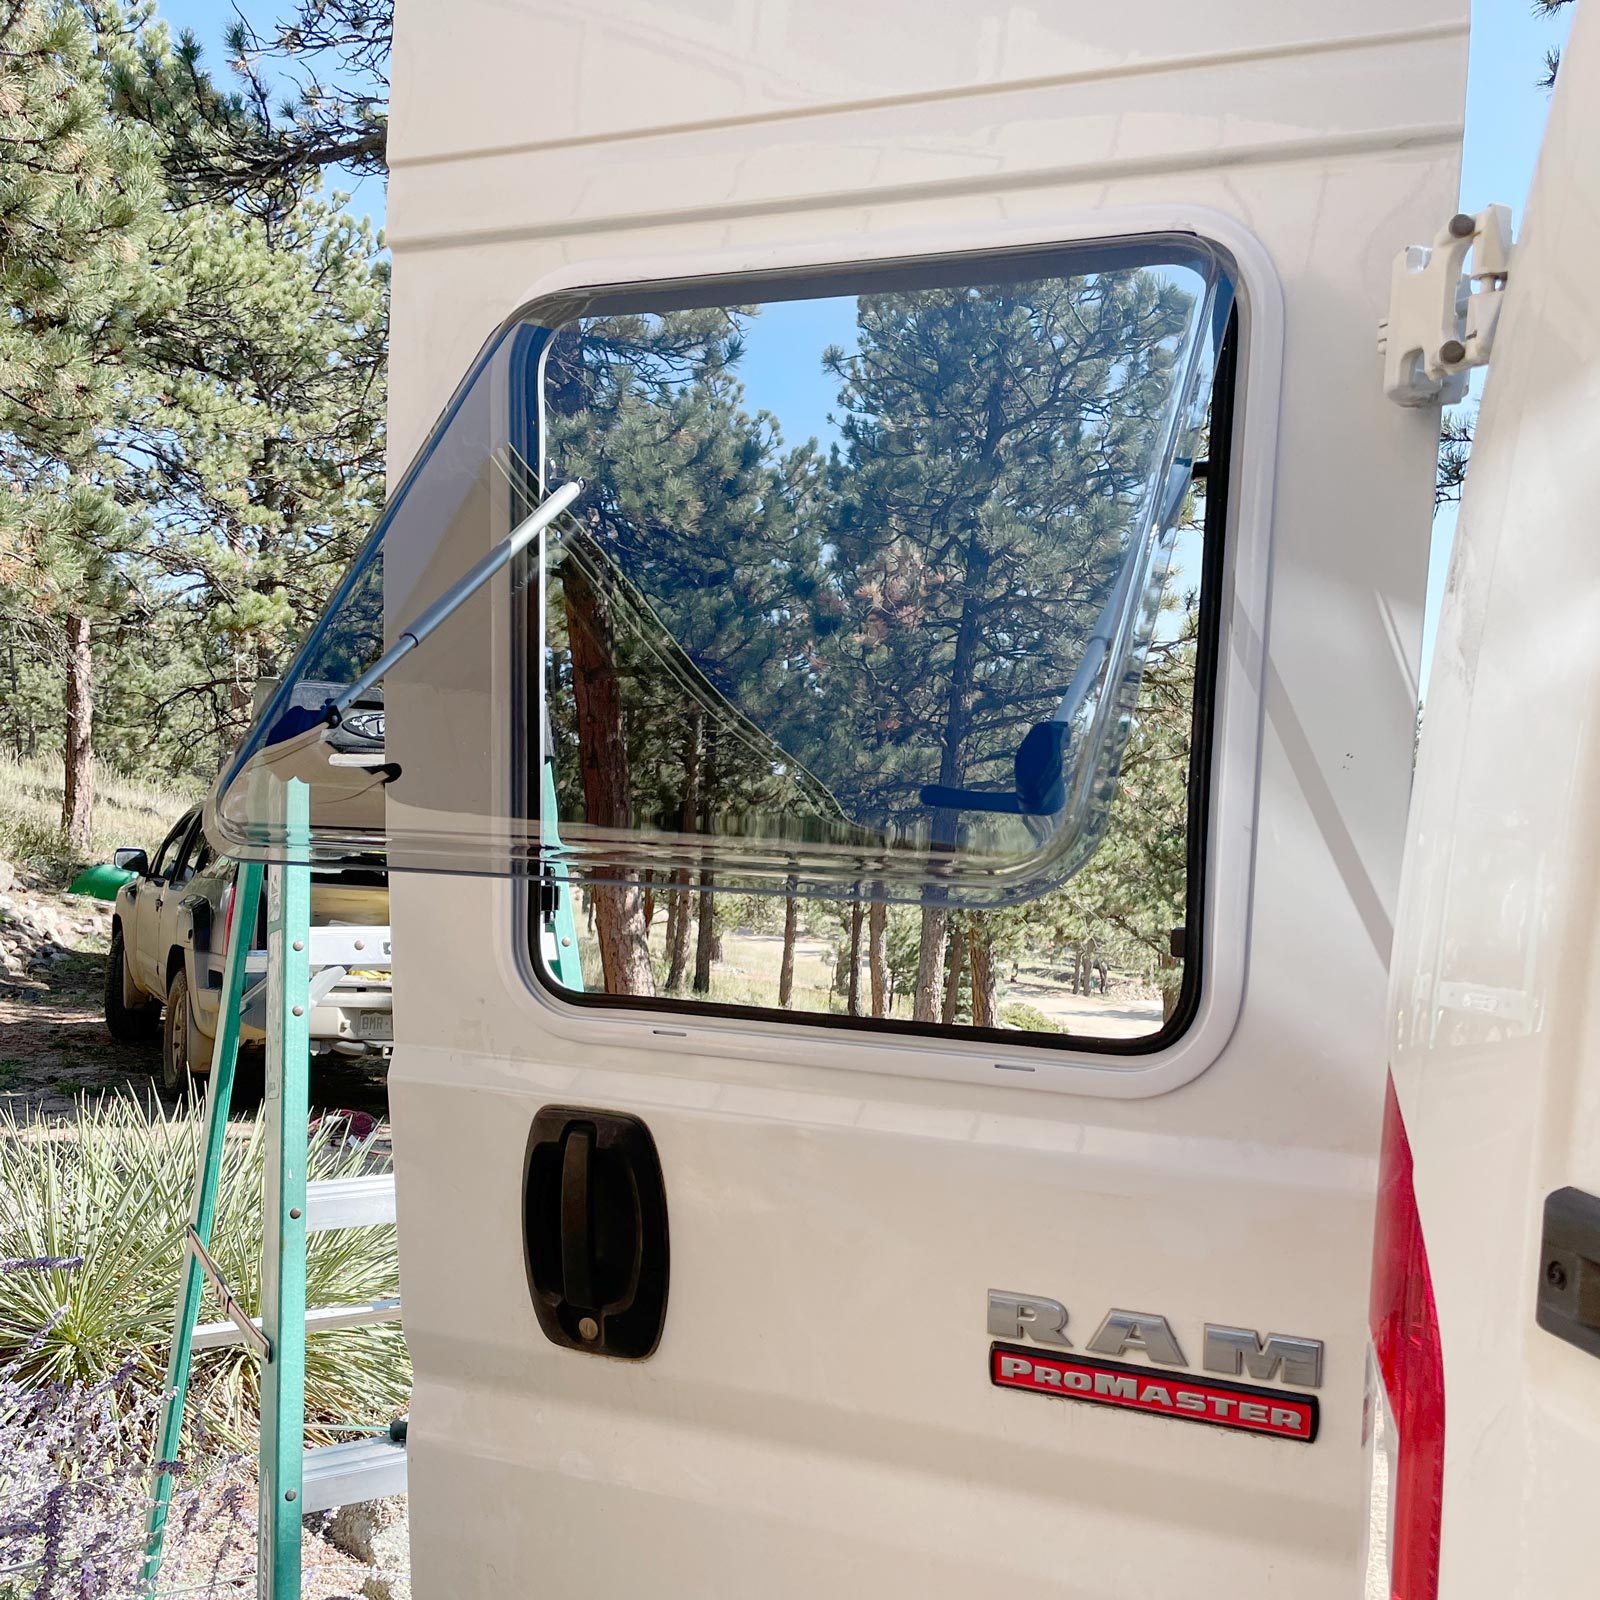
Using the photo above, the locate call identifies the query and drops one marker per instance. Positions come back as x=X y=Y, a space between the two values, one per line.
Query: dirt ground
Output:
x=748 y=975
x=1125 y=1015
x=55 y=1051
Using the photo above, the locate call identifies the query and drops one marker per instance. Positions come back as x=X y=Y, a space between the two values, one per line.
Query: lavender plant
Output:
x=75 y=1479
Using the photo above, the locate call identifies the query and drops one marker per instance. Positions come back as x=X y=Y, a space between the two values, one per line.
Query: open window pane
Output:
x=880 y=590
x=860 y=585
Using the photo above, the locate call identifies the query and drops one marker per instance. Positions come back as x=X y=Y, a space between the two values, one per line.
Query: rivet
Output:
x=565 y=943
x=294 y=1212
x=589 y=1328
x=291 y=1494
x=361 y=944
x=299 y=1011
x=299 y=944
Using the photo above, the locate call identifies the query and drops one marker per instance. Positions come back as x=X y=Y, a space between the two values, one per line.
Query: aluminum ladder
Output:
x=293 y=1480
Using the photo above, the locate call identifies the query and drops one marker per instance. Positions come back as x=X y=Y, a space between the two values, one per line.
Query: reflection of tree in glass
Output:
x=898 y=616
x=352 y=639
x=995 y=445
x=691 y=503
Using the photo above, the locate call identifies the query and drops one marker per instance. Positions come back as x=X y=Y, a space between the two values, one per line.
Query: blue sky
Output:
x=1505 y=118
x=1506 y=112
x=209 y=20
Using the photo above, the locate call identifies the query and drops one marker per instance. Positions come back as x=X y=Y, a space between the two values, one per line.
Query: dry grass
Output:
x=127 y=811
x=1038 y=1001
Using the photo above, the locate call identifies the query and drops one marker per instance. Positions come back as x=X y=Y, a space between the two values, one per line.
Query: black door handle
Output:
x=577 y=1220
x=594 y=1227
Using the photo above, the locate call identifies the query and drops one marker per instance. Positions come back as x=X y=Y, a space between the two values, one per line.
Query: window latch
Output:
x=1442 y=319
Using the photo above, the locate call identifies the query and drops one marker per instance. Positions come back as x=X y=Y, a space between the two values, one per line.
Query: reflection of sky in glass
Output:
x=781 y=367
x=782 y=372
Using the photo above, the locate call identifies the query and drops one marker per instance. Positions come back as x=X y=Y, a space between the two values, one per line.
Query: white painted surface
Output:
x=818 y=1415
x=1496 y=1059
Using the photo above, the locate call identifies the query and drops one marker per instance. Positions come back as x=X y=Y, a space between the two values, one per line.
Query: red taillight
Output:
x=1408 y=1422
x=227 y=916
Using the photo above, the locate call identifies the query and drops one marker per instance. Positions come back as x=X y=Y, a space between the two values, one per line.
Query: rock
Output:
x=8 y=876
x=388 y=1585
x=376 y=1531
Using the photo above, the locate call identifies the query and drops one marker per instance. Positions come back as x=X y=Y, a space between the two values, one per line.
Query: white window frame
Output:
x=1236 y=716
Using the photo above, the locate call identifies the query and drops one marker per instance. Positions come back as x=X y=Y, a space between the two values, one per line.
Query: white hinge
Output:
x=1441 y=320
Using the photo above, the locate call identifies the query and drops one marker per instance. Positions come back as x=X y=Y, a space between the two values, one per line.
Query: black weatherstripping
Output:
x=1197 y=933
x=594 y=1230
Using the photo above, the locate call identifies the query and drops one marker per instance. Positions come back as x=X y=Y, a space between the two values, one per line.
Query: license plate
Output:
x=375 y=1025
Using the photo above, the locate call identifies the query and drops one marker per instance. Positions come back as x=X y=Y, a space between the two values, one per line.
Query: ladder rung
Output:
x=340 y=946
x=215 y=1335
x=341 y=1474
x=349 y=1202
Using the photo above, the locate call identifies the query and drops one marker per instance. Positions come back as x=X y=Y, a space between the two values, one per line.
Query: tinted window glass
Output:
x=167 y=856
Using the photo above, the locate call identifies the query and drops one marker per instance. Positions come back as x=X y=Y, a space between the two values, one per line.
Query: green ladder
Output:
x=293 y=1480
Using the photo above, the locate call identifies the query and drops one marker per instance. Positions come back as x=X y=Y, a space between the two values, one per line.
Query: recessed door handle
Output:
x=594 y=1228
x=577 y=1221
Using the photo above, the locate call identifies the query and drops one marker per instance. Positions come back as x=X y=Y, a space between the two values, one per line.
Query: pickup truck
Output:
x=169 y=936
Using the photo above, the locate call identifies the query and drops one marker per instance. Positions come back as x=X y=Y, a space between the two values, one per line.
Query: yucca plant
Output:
x=114 y=1189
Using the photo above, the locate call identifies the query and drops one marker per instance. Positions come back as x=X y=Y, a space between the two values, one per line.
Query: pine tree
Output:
x=691 y=529
x=192 y=416
x=79 y=196
x=257 y=444
x=994 y=441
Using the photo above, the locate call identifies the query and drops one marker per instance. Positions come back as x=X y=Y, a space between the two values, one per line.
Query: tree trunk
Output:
x=878 y=956
x=952 y=984
x=930 y=963
x=705 y=939
x=607 y=789
x=678 y=930
x=688 y=822
x=241 y=686
x=16 y=695
x=853 y=994
x=791 y=919
x=985 y=999
x=649 y=899
x=1171 y=988
x=77 y=803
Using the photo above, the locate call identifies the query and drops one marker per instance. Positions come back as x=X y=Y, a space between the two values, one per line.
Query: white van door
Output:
x=1486 y=1304
x=977 y=689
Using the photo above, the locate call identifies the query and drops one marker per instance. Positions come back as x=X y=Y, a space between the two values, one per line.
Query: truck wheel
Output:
x=175 y=1035
x=126 y=1024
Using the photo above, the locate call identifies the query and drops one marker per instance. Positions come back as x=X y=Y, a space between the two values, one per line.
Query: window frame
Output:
x=527 y=625
x=178 y=840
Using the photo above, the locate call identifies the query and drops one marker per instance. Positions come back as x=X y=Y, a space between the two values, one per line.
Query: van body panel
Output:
x=1495 y=1057
x=819 y=1410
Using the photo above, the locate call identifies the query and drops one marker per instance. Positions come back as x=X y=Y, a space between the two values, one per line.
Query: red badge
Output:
x=1157 y=1392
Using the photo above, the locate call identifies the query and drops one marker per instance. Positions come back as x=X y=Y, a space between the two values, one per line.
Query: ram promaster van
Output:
x=927 y=1061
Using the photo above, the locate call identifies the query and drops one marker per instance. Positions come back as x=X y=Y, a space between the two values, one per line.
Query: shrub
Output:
x=114 y=1189
x=1016 y=1014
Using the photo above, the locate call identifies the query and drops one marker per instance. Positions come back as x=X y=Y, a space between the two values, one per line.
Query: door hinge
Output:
x=1441 y=319
x=1568 y=1303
